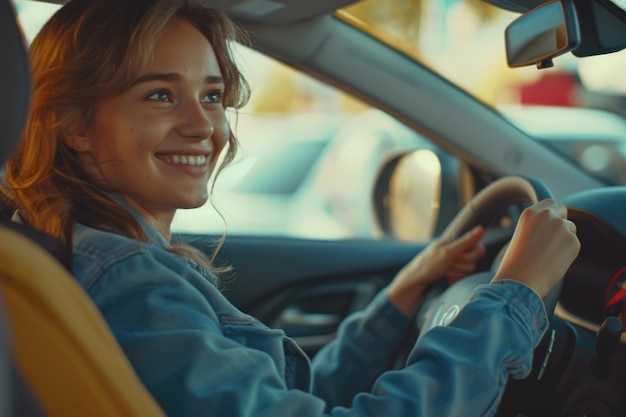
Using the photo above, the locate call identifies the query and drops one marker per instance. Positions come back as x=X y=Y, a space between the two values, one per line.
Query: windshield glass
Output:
x=463 y=40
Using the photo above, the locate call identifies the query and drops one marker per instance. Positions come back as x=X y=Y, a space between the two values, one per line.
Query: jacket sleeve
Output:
x=173 y=338
x=365 y=343
x=462 y=369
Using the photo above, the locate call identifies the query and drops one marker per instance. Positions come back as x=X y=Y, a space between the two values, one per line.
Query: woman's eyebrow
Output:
x=170 y=76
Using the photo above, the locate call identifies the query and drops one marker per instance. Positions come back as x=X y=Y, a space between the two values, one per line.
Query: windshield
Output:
x=463 y=41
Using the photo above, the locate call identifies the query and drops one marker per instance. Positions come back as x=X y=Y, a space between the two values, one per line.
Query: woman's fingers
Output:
x=466 y=242
x=470 y=256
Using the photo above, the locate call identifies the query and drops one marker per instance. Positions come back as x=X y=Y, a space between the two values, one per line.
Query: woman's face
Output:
x=158 y=142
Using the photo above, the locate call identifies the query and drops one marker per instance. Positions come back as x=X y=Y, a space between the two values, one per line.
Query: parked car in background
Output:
x=593 y=139
x=306 y=175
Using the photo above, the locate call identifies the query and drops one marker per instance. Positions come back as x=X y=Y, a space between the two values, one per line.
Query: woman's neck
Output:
x=160 y=220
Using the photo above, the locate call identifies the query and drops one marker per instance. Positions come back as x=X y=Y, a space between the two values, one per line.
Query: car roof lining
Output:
x=278 y=12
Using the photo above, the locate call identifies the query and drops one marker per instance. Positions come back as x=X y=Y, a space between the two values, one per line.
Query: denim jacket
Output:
x=200 y=356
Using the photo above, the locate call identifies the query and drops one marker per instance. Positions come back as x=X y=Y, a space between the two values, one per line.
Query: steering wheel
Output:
x=442 y=307
x=441 y=303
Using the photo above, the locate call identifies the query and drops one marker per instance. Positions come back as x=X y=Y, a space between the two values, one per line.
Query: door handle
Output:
x=296 y=322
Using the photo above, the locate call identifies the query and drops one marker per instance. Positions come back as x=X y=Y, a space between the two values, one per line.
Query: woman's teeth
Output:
x=185 y=159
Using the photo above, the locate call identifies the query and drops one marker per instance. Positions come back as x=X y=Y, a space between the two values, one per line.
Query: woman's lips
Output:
x=181 y=159
x=194 y=165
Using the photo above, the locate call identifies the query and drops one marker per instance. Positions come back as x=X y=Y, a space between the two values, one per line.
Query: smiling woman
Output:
x=117 y=128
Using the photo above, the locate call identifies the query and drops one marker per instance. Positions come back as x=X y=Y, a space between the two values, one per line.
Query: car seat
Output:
x=54 y=345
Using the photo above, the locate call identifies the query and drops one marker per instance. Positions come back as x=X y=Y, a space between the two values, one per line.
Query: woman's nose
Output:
x=195 y=121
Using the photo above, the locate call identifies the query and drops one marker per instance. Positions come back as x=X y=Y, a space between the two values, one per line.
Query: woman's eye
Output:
x=159 y=96
x=212 y=97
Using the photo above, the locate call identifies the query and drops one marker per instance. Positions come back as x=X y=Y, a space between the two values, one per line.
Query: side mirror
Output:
x=417 y=193
x=408 y=194
x=541 y=34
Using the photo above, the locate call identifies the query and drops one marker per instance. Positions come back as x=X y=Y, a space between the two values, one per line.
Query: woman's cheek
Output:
x=221 y=135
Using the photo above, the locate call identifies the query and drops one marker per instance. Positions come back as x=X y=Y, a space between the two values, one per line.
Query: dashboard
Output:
x=586 y=357
x=594 y=287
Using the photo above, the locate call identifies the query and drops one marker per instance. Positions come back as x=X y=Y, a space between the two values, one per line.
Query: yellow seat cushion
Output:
x=60 y=342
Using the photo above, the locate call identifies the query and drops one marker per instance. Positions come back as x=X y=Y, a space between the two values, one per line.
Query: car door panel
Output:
x=307 y=287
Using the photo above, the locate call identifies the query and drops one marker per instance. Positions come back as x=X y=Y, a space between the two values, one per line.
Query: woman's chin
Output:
x=193 y=203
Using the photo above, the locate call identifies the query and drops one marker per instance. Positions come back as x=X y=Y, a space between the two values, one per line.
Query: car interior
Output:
x=58 y=357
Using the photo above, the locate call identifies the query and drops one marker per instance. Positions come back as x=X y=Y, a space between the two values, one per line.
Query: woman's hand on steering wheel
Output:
x=543 y=247
x=450 y=260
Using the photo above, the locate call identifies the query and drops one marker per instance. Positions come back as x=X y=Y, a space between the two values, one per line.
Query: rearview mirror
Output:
x=541 y=34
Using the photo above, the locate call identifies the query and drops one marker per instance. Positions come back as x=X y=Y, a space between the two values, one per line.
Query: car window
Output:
x=304 y=166
x=295 y=130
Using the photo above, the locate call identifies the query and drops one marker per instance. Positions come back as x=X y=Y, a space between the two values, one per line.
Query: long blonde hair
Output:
x=88 y=51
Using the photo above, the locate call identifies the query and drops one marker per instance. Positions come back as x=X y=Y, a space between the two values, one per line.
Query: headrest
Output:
x=14 y=80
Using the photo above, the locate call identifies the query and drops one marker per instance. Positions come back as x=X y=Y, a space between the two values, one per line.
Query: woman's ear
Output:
x=78 y=142
x=77 y=139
